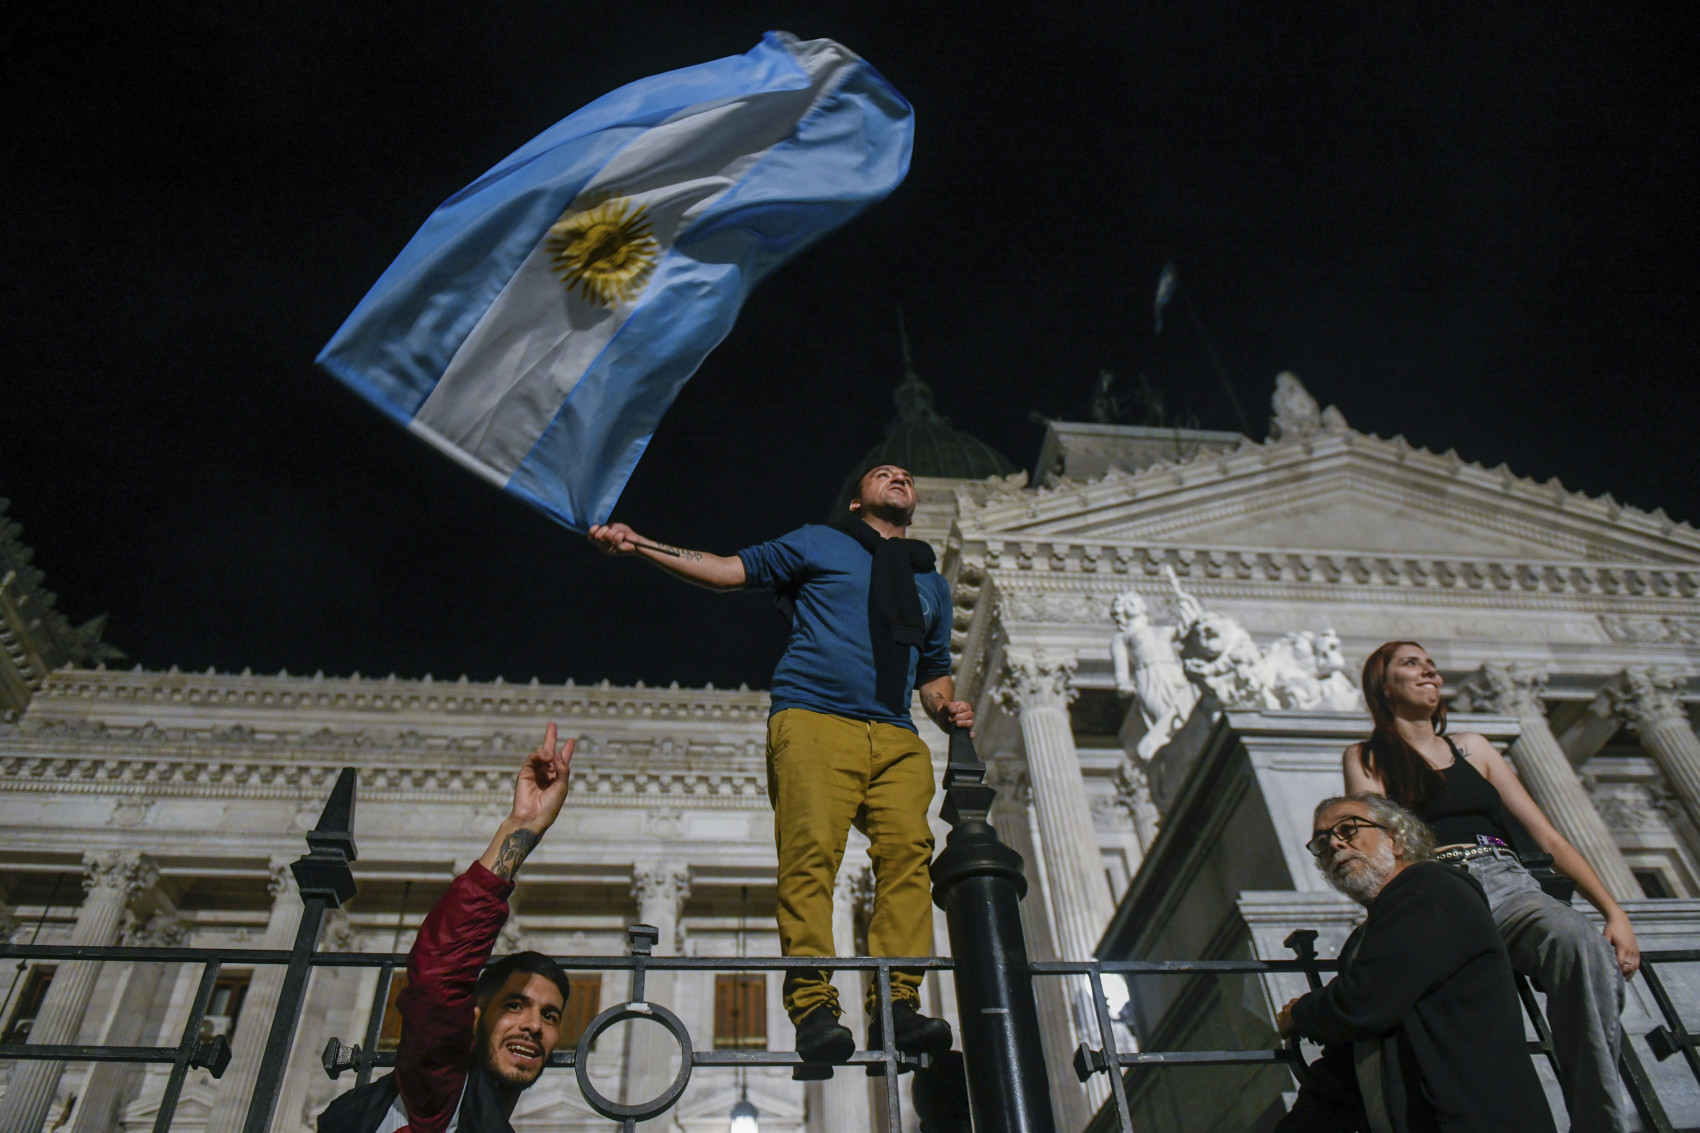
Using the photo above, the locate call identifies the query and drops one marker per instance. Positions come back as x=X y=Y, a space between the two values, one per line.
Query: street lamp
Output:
x=744 y=1116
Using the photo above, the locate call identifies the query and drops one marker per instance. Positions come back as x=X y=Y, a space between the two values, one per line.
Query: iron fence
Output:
x=977 y=881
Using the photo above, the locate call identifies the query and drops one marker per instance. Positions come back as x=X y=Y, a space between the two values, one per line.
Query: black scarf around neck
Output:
x=895 y=621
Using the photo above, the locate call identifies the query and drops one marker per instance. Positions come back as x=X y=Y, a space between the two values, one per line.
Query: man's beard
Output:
x=513 y=1079
x=1369 y=872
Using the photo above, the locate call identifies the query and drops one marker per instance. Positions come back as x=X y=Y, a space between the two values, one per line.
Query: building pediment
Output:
x=1342 y=491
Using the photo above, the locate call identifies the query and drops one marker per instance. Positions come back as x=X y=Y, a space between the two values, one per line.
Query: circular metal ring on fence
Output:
x=619 y=1013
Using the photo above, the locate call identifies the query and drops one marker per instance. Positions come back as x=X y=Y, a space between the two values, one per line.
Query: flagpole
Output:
x=1210 y=349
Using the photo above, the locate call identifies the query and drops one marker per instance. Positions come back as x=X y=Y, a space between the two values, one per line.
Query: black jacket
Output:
x=362 y=1108
x=1428 y=989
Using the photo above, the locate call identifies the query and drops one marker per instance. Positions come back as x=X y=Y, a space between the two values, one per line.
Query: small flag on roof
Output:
x=544 y=318
x=1166 y=284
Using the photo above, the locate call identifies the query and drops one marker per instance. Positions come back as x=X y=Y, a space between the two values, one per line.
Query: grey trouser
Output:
x=1577 y=967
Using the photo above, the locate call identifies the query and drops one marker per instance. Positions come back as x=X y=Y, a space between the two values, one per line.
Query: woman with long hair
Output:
x=1466 y=791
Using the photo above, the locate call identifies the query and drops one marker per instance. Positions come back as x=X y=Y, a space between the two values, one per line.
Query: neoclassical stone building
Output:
x=163 y=806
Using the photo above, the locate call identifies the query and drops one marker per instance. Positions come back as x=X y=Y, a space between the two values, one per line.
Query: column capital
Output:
x=667 y=884
x=1512 y=689
x=854 y=887
x=161 y=930
x=1646 y=697
x=119 y=873
x=1038 y=678
x=280 y=879
x=1008 y=777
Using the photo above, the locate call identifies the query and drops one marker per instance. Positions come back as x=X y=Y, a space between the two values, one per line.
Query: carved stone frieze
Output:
x=1037 y=679
x=1652 y=629
x=1064 y=608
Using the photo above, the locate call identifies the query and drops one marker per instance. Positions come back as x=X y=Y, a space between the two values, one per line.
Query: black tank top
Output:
x=1467 y=808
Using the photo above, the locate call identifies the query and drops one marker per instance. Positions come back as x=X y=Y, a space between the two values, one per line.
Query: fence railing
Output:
x=978 y=882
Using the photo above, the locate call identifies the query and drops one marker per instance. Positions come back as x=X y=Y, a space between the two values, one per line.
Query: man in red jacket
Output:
x=471 y=1042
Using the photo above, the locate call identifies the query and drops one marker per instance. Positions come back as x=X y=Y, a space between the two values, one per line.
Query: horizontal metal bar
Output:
x=1203 y=1057
x=146 y=955
x=1178 y=967
x=569 y=1058
x=240 y=956
x=70 y=1052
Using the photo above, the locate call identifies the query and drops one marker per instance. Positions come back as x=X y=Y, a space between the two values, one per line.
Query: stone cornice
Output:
x=732 y=780
x=1099 y=565
x=1013 y=508
x=390 y=696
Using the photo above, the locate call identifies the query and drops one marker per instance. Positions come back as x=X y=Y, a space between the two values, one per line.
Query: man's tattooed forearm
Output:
x=680 y=552
x=512 y=852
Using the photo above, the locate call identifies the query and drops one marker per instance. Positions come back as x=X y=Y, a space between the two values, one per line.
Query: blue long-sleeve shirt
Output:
x=828 y=664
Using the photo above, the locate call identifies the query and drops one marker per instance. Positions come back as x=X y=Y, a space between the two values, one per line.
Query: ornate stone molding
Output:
x=1036 y=679
x=1511 y=690
x=1651 y=629
x=118 y=874
x=1461 y=576
x=1644 y=698
x=389 y=695
x=190 y=773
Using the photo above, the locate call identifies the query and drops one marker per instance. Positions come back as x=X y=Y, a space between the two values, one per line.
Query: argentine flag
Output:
x=544 y=318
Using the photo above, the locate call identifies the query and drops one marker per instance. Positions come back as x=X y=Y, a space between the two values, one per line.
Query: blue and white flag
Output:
x=544 y=318
x=1166 y=284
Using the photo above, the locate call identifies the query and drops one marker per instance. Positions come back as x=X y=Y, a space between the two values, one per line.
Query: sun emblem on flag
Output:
x=606 y=250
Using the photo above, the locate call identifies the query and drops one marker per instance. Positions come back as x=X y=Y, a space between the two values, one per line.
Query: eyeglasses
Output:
x=1346 y=830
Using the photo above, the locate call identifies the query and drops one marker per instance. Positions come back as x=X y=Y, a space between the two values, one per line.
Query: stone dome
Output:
x=924 y=443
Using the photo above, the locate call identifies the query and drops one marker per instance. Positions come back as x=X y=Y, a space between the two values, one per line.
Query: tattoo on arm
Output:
x=512 y=852
x=680 y=552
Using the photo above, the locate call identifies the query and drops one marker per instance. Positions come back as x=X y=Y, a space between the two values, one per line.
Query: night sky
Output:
x=1470 y=224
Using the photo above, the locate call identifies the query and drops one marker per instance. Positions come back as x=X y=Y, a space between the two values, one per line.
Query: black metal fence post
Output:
x=978 y=883
x=325 y=882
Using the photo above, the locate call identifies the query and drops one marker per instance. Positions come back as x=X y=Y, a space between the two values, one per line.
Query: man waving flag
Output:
x=544 y=318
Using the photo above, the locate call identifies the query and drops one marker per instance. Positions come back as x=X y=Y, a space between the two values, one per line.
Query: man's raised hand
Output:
x=541 y=788
x=539 y=792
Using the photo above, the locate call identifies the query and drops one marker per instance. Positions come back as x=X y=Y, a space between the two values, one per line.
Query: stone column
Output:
x=841 y=1104
x=108 y=1082
x=1515 y=690
x=253 y=1025
x=660 y=889
x=112 y=880
x=1649 y=700
x=1012 y=816
x=1133 y=794
x=1036 y=687
x=329 y=989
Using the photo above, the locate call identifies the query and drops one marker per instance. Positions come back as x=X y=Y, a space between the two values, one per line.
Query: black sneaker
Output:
x=822 y=1038
x=916 y=1033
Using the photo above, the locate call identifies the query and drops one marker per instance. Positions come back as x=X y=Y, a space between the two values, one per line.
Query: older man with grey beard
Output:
x=1421 y=1029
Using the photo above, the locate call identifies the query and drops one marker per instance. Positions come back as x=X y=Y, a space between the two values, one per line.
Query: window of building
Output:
x=740 y=1012
x=36 y=983
x=225 y=1006
x=389 y=1035
x=583 y=1006
x=1654 y=883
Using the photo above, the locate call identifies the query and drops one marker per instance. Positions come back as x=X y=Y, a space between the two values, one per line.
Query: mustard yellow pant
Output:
x=825 y=774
